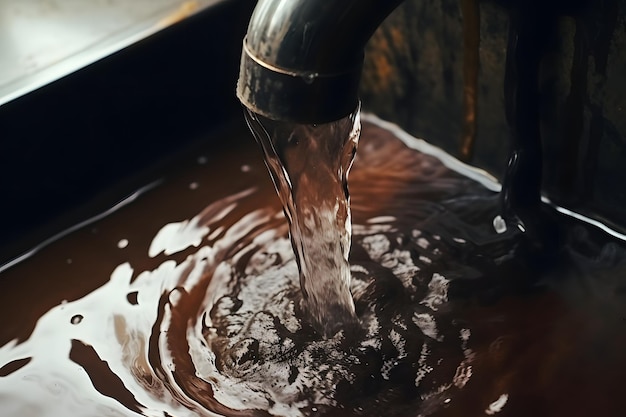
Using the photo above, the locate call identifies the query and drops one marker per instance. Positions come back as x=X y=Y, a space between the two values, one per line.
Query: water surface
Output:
x=185 y=303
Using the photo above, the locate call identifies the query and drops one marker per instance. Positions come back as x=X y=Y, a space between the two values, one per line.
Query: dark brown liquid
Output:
x=184 y=302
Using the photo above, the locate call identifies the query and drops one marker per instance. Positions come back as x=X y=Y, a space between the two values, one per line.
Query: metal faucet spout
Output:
x=302 y=59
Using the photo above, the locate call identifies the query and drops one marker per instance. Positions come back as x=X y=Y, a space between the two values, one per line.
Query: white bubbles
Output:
x=437 y=292
x=423 y=243
x=310 y=78
x=427 y=324
x=497 y=405
x=499 y=225
x=376 y=245
x=122 y=243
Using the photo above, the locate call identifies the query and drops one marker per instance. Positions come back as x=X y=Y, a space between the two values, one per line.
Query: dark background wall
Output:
x=414 y=76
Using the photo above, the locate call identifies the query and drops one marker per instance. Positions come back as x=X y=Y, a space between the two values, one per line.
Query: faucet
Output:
x=302 y=59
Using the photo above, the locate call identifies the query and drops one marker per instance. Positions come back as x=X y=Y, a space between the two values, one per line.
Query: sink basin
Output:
x=66 y=143
x=130 y=180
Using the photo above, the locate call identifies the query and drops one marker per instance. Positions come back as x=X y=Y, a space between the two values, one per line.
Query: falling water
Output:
x=309 y=165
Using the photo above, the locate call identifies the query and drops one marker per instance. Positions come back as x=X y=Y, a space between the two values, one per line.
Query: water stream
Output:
x=309 y=165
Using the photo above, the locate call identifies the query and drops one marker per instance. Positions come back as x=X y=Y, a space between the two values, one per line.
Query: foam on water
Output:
x=213 y=326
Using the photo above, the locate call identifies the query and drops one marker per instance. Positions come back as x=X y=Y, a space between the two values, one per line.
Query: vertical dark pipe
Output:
x=529 y=30
x=302 y=59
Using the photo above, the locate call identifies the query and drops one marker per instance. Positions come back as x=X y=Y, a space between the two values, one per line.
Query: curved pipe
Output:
x=302 y=59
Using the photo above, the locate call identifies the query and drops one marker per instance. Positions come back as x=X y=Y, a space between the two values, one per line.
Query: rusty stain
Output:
x=471 y=62
x=185 y=10
x=383 y=68
x=396 y=36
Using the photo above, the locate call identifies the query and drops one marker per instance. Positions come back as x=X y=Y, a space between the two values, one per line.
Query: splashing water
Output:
x=191 y=310
x=309 y=166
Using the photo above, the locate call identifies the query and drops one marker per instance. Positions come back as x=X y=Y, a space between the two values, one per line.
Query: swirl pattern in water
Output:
x=210 y=324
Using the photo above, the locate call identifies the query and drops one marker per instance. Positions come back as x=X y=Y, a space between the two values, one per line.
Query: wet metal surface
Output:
x=43 y=40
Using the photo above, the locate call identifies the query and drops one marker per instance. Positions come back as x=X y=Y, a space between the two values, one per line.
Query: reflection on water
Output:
x=171 y=307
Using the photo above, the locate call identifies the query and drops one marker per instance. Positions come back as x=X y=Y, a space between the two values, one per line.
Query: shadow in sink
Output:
x=66 y=142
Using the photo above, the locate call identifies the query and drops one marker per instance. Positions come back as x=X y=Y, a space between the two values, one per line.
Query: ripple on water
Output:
x=216 y=327
x=223 y=330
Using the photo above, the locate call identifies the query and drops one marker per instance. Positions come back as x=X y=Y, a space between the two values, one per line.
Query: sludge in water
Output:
x=214 y=326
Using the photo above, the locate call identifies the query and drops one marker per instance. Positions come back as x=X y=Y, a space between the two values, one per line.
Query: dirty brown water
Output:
x=185 y=303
